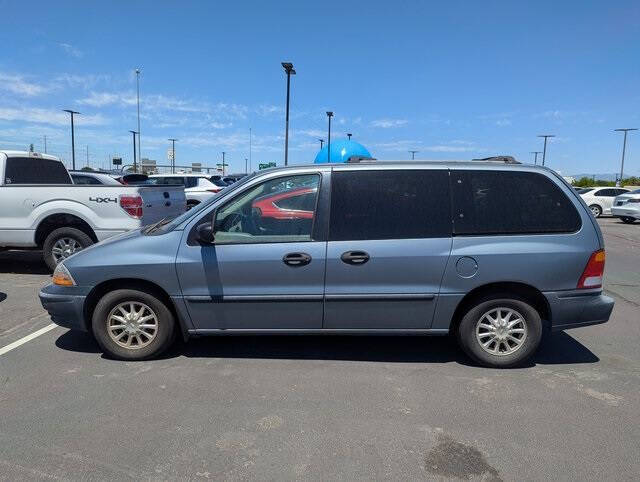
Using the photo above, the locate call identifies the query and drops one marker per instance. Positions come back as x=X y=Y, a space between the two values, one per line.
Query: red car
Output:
x=296 y=203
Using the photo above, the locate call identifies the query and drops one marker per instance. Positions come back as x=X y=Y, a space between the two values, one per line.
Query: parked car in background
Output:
x=197 y=187
x=93 y=178
x=217 y=180
x=40 y=207
x=601 y=199
x=583 y=190
x=232 y=178
x=627 y=206
x=133 y=179
x=492 y=254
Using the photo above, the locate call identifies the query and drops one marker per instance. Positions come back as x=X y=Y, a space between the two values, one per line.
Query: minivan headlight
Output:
x=62 y=277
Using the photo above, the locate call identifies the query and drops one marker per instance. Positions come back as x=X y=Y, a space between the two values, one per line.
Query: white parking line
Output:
x=23 y=340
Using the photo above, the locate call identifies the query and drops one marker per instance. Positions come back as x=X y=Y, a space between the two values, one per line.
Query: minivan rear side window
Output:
x=389 y=204
x=35 y=170
x=503 y=202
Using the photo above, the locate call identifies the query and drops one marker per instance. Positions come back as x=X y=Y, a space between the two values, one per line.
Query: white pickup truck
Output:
x=40 y=207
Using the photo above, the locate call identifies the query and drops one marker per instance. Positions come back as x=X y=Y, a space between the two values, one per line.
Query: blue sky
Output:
x=453 y=80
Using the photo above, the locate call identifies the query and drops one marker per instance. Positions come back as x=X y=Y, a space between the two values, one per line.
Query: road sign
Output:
x=170 y=154
x=266 y=165
x=117 y=161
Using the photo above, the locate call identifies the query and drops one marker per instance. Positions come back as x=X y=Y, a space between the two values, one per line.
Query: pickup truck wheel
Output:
x=628 y=220
x=500 y=332
x=62 y=243
x=132 y=325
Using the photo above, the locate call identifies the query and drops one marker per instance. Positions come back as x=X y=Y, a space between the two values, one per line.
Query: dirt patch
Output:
x=450 y=458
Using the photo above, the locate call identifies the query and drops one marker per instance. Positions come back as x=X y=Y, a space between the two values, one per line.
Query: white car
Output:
x=600 y=199
x=40 y=207
x=197 y=187
x=93 y=178
x=627 y=206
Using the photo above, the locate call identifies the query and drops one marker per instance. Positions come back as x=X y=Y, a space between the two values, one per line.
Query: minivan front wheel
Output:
x=132 y=325
x=500 y=332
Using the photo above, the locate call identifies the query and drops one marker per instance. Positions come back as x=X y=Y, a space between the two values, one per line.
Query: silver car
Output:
x=492 y=254
x=627 y=207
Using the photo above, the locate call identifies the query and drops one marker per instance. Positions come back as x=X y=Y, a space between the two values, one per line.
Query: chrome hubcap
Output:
x=132 y=325
x=501 y=331
x=595 y=211
x=64 y=247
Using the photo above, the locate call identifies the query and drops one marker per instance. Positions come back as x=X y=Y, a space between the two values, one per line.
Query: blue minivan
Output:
x=491 y=253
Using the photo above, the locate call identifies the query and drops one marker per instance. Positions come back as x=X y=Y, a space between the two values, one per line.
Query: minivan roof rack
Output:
x=356 y=159
x=505 y=159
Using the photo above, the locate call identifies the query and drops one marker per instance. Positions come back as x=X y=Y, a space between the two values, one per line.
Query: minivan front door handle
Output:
x=296 y=259
x=355 y=257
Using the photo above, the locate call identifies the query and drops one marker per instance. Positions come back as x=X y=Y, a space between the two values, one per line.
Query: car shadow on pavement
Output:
x=558 y=348
x=3 y=296
x=23 y=262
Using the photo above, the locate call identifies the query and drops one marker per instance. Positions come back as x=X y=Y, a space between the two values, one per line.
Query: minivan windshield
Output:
x=169 y=224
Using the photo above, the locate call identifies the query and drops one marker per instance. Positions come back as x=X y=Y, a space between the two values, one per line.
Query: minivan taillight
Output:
x=132 y=205
x=594 y=271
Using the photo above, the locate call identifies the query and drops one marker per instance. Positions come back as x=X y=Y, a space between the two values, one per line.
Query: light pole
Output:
x=223 y=163
x=413 y=155
x=73 y=140
x=624 y=149
x=535 y=159
x=249 y=147
x=349 y=134
x=246 y=166
x=45 y=144
x=173 y=153
x=288 y=68
x=329 y=115
x=544 y=150
x=135 y=165
x=138 y=102
x=321 y=142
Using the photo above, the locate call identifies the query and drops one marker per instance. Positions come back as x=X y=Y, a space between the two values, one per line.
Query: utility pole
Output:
x=249 y=148
x=138 y=102
x=288 y=68
x=413 y=155
x=624 y=149
x=87 y=155
x=544 y=150
x=223 y=163
x=73 y=140
x=321 y=142
x=135 y=165
x=173 y=153
x=535 y=159
x=45 y=144
x=329 y=115
x=245 y=165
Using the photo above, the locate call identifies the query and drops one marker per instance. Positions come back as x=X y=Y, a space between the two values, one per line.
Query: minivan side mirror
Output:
x=206 y=234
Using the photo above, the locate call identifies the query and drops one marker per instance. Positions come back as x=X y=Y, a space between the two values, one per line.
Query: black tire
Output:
x=471 y=346
x=596 y=210
x=628 y=220
x=81 y=238
x=164 y=334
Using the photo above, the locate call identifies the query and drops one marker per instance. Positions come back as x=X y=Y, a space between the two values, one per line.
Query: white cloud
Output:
x=16 y=84
x=503 y=122
x=47 y=116
x=71 y=50
x=388 y=123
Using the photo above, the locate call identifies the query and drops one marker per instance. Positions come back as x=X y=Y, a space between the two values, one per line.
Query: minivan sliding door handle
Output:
x=355 y=257
x=296 y=259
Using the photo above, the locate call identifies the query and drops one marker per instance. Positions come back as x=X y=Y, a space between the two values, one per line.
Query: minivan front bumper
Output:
x=65 y=309
x=572 y=309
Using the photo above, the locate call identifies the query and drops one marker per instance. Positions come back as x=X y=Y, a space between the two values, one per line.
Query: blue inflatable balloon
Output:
x=341 y=151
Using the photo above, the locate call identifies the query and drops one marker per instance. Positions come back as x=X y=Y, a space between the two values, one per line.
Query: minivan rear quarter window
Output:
x=387 y=204
x=503 y=202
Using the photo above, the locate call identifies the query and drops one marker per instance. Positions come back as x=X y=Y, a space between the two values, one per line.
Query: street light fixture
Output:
x=624 y=149
x=349 y=134
x=535 y=159
x=321 y=142
x=173 y=153
x=288 y=68
x=135 y=165
x=413 y=155
x=329 y=115
x=544 y=150
x=73 y=140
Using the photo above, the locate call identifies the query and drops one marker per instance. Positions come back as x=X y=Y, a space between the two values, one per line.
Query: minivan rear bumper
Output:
x=572 y=309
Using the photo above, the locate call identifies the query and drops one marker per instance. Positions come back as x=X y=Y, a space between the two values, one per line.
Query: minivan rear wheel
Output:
x=500 y=332
x=132 y=325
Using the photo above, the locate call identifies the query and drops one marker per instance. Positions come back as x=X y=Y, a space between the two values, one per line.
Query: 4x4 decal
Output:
x=104 y=199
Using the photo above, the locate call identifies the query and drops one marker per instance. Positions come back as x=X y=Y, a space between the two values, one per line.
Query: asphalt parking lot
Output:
x=329 y=408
